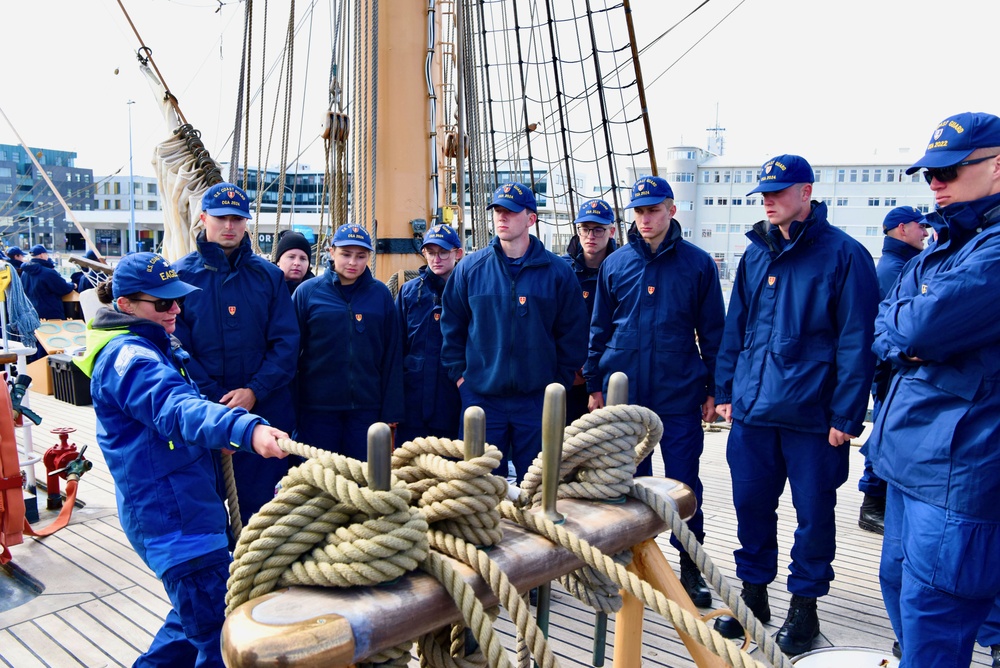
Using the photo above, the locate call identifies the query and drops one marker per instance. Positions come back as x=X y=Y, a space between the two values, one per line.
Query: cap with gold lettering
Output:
x=956 y=137
x=782 y=172
x=148 y=273
x=226 y=199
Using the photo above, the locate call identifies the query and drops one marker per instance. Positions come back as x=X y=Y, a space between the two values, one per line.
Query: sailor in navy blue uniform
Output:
x=350 y=371
x=658 y=317
x=935 y=439
x=161 y=440
x=241 y=332
x=905 y=231
x=593 y=242
x=513 y=322
x=793 y=377
x=433 y=404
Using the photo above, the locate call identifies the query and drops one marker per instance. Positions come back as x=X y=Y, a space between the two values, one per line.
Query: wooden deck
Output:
x=101 y=606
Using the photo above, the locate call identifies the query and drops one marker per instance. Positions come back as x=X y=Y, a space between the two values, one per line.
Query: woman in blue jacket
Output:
x=160 y=438
x=350 y=370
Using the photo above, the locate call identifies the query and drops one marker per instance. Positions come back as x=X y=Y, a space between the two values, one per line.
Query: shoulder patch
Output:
x=130 y=352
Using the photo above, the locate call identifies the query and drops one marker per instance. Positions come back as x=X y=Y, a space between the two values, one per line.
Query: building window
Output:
x=737 y=201
x=706 y=176
x=735 y=229
x=69 y=177
x=727 y=176
x=673 y=177
x=681 y=155
x=841 y=201
x=723 y=201
x=7 y=188
x=86 y=207
x=152 y=205
x=720 y=228
x=749 y=176
x=715 y=176
x=684 y=205
x=914 y=177
x=873 y=201
x=118 y=204
x=3 y=155
x=86 y=178
x=706 y=233
x=854 y=176
x=828 y=201
x=5 y=172
x=138 y=207
x=817 y=175
x=924 y=209
x=751 y=201
x=151 y=187
x=116 y=188
x=871 y=231
x=890 y=175
x=738 y=176
x=890 y=201
x=747 y=228
x=686 y=233
x=877 y=176
x=709 y=201
x=865 y=175
x=841 y=174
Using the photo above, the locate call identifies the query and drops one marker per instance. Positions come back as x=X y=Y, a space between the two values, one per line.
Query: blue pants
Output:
x=343 y=432
x=191 y=634
x=681 y=447
x=870 y=484
x=513 y=424
x=940 y=577
x=256 y=479
x=760 y=460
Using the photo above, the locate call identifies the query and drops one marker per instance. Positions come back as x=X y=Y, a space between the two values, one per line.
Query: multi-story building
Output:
x=716 y=213
x=29 y=211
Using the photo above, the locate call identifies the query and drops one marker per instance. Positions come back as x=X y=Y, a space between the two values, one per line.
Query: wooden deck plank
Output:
x=119 y=651
x=77 y=644
x=15 y=654
x=49 y=651
x=125 y=621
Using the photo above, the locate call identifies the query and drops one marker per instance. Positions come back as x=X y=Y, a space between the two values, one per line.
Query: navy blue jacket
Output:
x=352 y=353
x=240 y=328
x=431 y=397
x=937 y=434
x=160 y=439
x=509 y=336
x=45 y=288
x=587 y=276
x=648 y=310
x=895 y=254
x=796 y=349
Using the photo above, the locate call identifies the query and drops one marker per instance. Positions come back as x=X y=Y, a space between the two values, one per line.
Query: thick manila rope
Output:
x=459 y=498
x=354 y=536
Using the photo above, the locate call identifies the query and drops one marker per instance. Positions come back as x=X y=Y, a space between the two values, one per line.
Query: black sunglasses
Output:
x=162 y=305
x=950 y=173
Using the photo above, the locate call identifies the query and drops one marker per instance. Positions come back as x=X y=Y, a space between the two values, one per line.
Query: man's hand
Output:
x=708 y=412
x=596 y=401
x=725 y=411
x=838 y=438
x=265 y=441
x=242 y=397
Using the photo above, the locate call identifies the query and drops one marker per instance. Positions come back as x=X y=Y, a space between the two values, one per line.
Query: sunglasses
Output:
x=162 y=305
x=950 y=173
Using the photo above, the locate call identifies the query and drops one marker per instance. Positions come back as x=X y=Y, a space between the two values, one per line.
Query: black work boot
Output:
x=872 y=516
x=694 y=583
x=995 y=654
x=897 y=651
x=801 y=626
x=755 y=597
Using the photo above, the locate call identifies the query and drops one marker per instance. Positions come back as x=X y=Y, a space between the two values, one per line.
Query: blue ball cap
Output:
x=900 y=216
x=442 y=235
x=514 y=197
x=596 y=211
x=37 y=249
x=226 y=199
x=650 y=190
x=956 y=137
x=783 y=171
x=352 y=235
x=15 y=252
x=149 y=273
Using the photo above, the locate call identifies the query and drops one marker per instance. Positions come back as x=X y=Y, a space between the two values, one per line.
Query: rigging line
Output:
x=604 y=117
x=286 y=130
x=260 y=120
x=522 y=79
x=562 y=120
x=149 y=57
x=246 y=102
x=234 y=155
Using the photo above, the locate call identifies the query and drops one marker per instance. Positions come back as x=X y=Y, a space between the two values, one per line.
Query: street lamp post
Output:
x=132 y=245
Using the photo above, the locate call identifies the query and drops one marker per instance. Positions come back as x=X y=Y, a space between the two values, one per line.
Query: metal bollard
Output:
x=553 y=428
x=379 y=457
x=475 y=432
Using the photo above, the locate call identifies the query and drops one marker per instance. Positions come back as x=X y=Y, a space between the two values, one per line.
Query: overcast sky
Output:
x=815 y=77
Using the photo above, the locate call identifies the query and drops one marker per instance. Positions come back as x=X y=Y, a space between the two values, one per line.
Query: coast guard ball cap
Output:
x=37 y=249
x=900 y=216
x=650 y=190
x=15 y=252
x=226 y=199
x=783 y=171
x=442 y=235
x=149 y=273
x=956 y=137
x=352 y=235
x=514 y=197
x=596 y=211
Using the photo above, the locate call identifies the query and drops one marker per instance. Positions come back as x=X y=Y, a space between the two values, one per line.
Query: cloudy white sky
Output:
x=816 y=77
